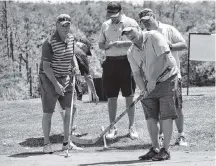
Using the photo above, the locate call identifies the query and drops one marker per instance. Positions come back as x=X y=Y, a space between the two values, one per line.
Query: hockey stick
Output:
x=71 y=111
x=93 y=141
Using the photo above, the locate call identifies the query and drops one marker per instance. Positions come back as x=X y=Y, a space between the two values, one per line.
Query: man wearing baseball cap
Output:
x=176 y=43
x=55 y=75
x=155 y=73
x=116 y=69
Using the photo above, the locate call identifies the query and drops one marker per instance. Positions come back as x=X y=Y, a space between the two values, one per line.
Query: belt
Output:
x=116 y=57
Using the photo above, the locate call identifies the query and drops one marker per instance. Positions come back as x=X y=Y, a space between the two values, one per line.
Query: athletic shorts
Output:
x=49 y=96
x=117 y=75
x=179 y=100
x=160 y=103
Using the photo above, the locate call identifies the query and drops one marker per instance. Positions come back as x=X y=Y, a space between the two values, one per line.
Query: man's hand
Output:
x=151 y=86
x=59 y=89
x=75 y=71
x=95 y=98
x=143 y=93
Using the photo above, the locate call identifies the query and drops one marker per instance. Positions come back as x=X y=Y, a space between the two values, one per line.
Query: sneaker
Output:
x=71 y=146
x=148 y=156
x=161 y=139
x=47 y=149
x=162 y=155
x=133 y=133
x=181 y=141
x=112 y=134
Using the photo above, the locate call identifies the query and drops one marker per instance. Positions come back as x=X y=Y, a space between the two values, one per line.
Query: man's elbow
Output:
x=46 y=66
x=101 y=45
x=184 y=46
x=136 y=73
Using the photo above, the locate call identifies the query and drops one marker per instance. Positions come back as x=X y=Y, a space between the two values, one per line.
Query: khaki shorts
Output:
x=49 y=96
x=161 y=104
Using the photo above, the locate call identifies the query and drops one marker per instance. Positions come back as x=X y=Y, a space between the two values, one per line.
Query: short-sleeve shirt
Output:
x=59 y=54
x=112 y=32
x=148 y=60
x=172 y=35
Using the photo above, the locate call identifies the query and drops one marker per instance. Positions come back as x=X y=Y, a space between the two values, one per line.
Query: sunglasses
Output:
x=64 y=19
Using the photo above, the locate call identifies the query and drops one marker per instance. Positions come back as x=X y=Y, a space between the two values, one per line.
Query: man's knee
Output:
x=179 y=112
x=47 y=116
x=112 y=99
x=68 y=109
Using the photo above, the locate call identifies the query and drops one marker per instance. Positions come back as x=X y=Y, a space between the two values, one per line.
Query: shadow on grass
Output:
x=27 y=154
x=117 y=162
x=195 y=95
x=100 y=143
x=54 y=139
x=38 y=142
x=94 y=102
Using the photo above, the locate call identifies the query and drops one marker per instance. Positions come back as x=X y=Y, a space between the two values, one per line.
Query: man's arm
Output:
x=139 y=81
x=178 y=46
x=105 y=45
x=178 y=43
x=90 y=83
x=49 y=73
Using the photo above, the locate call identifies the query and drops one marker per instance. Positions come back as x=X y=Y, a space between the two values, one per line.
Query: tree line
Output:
x=25 y=26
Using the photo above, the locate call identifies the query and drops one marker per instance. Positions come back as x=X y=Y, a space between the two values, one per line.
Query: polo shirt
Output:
x=172 y=35
x=59 y=54
x=112 y=32
x=148 y=60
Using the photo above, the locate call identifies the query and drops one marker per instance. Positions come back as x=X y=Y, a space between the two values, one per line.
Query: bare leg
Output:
x=129 y=101
x=66 y=124
x=180 y=121
x=153 y=132
x=167 y=128
x=112 y=108
x=46 y=126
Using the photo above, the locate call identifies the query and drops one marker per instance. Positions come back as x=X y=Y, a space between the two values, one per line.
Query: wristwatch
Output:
x=170 y=46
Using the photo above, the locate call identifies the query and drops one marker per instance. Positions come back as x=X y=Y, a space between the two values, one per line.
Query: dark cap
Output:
x=145 y=14
x=113 y=9
x=63 y=19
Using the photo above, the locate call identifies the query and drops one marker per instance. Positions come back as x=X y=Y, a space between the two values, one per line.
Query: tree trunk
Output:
x=11 y=46
x=20 y=63
x=6 y=27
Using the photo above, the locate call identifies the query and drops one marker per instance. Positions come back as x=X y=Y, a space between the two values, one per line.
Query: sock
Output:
x=65 y=143
x=181 y=134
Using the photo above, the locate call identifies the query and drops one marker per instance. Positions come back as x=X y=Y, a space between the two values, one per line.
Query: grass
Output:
x=20 y=124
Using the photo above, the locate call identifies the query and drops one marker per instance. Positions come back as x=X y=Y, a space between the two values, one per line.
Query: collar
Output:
x=122 y=18
x=56 y=35
x=160 y=25
x=145 y=36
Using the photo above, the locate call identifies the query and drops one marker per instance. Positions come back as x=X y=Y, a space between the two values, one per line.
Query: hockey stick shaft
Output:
x=93 y=141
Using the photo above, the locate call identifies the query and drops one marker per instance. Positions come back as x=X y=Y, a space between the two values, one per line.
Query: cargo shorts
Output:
x=49 y=96
x=161 y=102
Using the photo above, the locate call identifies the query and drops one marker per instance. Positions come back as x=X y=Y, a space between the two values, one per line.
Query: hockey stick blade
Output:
x=93 y=141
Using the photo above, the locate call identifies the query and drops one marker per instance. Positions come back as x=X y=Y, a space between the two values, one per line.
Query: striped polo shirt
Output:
x=59 y=53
